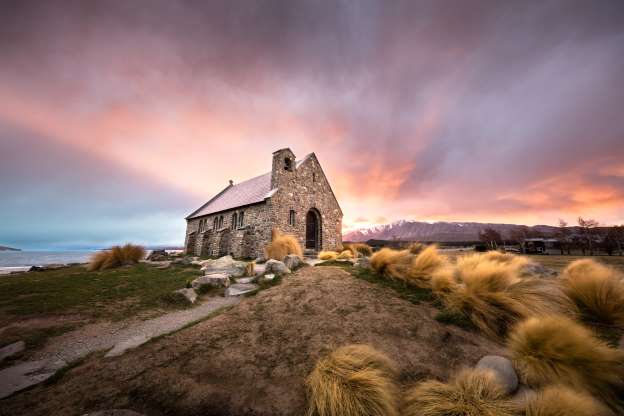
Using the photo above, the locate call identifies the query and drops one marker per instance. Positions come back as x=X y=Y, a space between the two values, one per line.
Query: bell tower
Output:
x=284 y=164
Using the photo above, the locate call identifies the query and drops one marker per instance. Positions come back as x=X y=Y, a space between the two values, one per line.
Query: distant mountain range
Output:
x=4 y=248
x=437 y=231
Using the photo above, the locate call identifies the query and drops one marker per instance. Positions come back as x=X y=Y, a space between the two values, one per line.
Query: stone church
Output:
x=294 y=197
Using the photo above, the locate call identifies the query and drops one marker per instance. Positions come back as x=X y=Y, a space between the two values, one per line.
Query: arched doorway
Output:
x=313 y=230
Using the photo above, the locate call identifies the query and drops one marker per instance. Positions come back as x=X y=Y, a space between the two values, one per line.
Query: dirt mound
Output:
x=253 y=358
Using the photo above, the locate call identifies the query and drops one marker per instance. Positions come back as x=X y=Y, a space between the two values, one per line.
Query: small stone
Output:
x=12 y=349
x=268 y=277
x=245 y=280
x=214 y=280
x=276 y=267
x=292 y=261
x=190 y=294
x=503 y=369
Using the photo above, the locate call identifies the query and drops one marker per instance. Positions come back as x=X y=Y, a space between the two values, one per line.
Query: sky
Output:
x=119 y=118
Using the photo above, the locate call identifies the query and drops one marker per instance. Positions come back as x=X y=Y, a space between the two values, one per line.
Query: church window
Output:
x=291 y=217
x=288 y=164
x=234 y=221
x=220 y=221
x=241 y=218
x=215 y=224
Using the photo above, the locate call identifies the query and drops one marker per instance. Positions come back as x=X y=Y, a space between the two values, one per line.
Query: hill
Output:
x=5 y=248
x=437 y=231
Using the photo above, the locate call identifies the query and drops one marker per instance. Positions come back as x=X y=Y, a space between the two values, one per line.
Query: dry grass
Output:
x=282 y=245
x=385 y=257
x=327 y=255
x=597 y=291
x=416 y=248
x=488 y=290
x=470 y=393
x=562 y=401
x=556 y=350
x=117 y=256
x=345 y=254
x=249 y=269
x=417 y=270
x=358 y=249
x=353 y=380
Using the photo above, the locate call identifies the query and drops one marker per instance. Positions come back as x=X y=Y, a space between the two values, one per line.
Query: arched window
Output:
x=215 y=224
x=291 y=217
x=287 y=163
x=220 y=221
x=241 y=218
x=234 y=221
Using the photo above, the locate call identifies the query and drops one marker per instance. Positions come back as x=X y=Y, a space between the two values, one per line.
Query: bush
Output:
x=117 y=256
x=470 y=393
x=556 y=350
x=387 y=256
x=346 y=254
x=561 y=401
x=417 y=270
x=358 y=249
x=597 y=291
x=282 y=245
x=327 y=255
x=353 y=380
x=416 y=248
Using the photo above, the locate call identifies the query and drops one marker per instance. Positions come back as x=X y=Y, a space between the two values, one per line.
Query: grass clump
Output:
x=417 y=270
x=345 y=255
x=358 y=249
x=454 y=318
x=562 y=401
x=282 y=245
x=597 y=291
x=469 y=393
x=556 y=350
x=117 y=256
x=381 y=260
x=353 y=380
x=327 y=255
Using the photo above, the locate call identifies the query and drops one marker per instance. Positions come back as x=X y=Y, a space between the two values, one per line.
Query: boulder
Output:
x=239 y=289
x=11 y=349
x=503 y=369
x=276 y=267
x=363 y=262
x=157 y=255
x=214 y=280
x=190 y=294
x=292 y=261
x=226 y=265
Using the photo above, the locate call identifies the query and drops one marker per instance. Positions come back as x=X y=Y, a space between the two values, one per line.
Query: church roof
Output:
x=251 y=191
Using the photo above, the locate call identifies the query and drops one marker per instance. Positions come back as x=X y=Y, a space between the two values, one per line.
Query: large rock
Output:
x=225 y=265
x=157 y=255
x=276 y=267
x=214 y=280
x=292 y=261
x=239 y=289
x=188 y=293
x=503 y=369
x=12 y=349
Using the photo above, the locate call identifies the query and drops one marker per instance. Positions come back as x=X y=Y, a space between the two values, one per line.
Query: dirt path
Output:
x=253 y=358
x=117 y=337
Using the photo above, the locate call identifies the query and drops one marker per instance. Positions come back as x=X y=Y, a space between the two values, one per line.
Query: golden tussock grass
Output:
x=387 y=256
x=327 y=255
x=556 y=350
x=417 y=270
x=116 y=256
x=358 y=249
x=597 y=291
x=345 y=254
x=470 y=393
x=353 y=380
x=416 y=248
x=282 y=245
x=492 y=295
x=249 y=269
x=563 y=401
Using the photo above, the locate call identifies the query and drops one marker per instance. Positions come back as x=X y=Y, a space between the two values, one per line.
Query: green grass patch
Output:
x=453 y=318
x=336 y=263
x=111 y=294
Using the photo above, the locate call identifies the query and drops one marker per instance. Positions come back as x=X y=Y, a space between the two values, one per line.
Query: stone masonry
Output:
x=299 y=201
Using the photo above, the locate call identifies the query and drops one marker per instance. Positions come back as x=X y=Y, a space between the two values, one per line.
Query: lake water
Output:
x=22 y=260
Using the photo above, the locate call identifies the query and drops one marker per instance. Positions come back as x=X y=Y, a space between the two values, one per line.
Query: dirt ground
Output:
x=253 y=358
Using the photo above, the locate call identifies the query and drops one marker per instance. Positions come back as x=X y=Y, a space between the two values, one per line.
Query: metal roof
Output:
x=249 y=192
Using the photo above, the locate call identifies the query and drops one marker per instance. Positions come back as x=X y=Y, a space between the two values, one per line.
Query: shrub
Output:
x=422 y=267
x=597 y=291
x=387 y=256
x=115 y=257
x=358 y=249
x=282 y=245
x=416 y=248
x=561 y=401
x=470 y=393
x=327 y=255
x=346 y=254
x=556 y=350
x=351 y=381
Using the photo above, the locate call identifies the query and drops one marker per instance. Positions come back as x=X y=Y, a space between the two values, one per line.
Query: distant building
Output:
x=541 y=246
x=294 y=197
